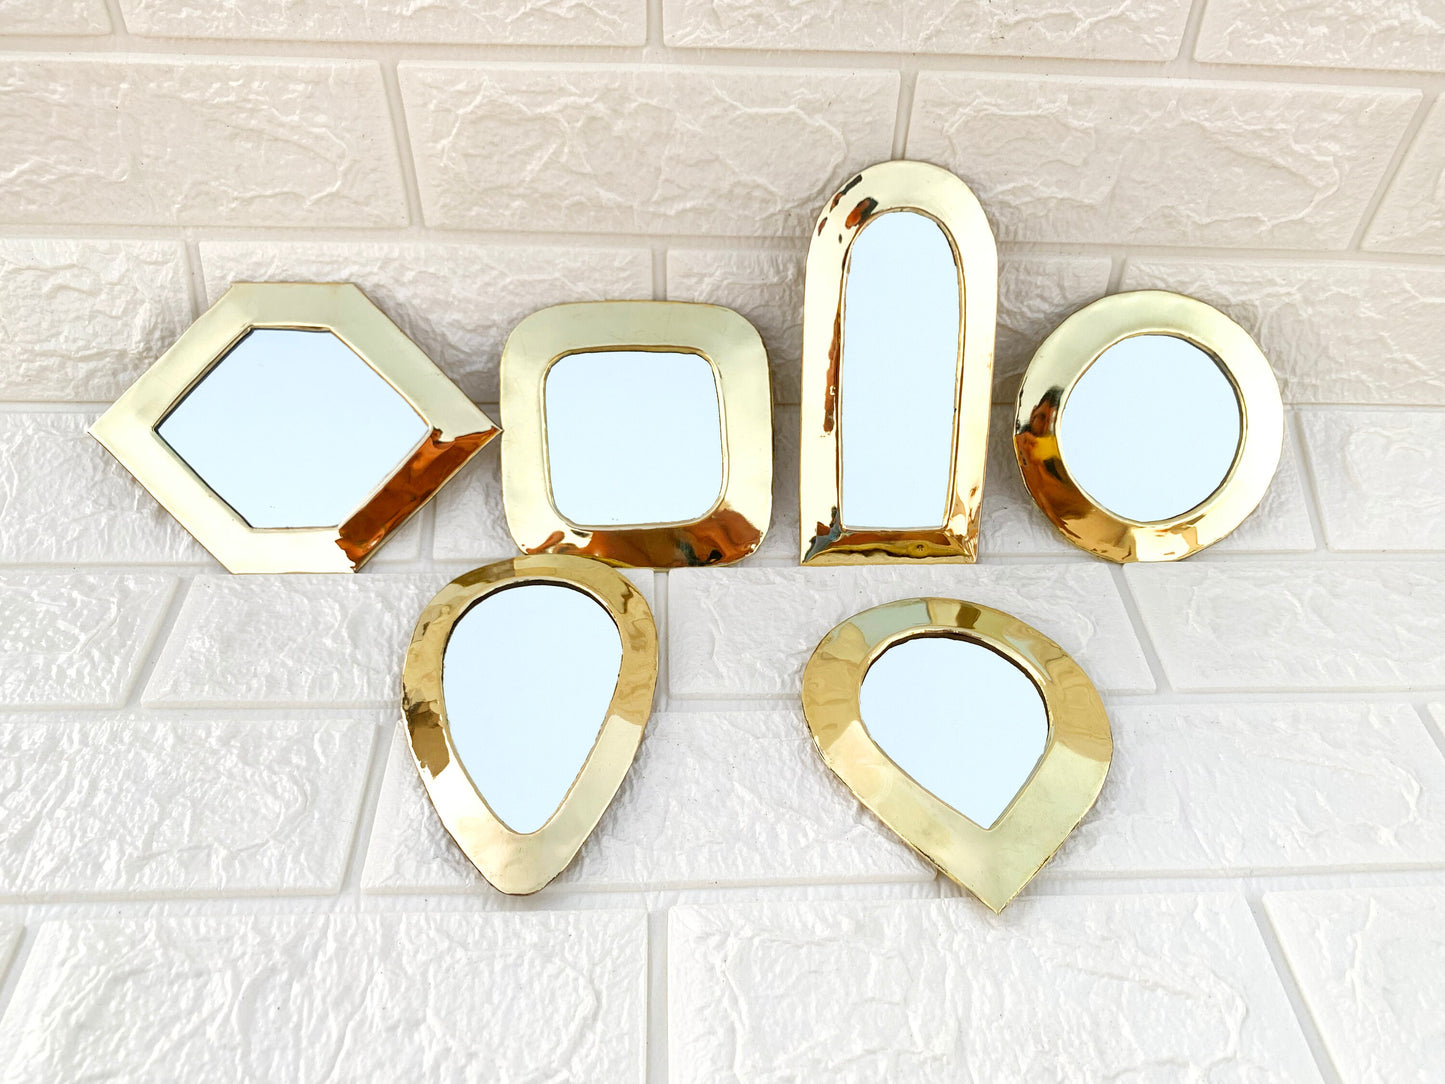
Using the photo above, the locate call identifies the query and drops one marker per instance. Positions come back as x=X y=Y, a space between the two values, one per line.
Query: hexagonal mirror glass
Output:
x=293 y=429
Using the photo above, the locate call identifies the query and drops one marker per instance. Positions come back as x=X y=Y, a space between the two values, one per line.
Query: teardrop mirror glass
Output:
x=527 y=677
x=1151 y=428
x=633 y=437
x=966 y=723
x=901 y=324
x=293 y=429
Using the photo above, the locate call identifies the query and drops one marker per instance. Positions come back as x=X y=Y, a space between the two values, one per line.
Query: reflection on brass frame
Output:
x=128 y=428
x=1056 y=369
x=992 y=863
x=735 y=525
x=937 y=193
x=513 y=862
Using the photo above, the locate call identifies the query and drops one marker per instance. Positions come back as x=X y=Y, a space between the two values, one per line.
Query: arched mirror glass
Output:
x=664 y=465
x=292 y=429
x=963 y=721
x=901 y=320
x=1151 y=428
x=527 y=676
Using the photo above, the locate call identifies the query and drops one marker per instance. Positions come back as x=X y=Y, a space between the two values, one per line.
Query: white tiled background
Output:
x=215 y=860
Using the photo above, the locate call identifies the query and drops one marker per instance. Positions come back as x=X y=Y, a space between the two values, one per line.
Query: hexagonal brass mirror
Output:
x=293 y=428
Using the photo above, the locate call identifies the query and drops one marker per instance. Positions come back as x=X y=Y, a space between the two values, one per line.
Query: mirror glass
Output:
x=901 y=323
x=293 y=429
x=527 y=677
x=634 y=437
x=1151 y=428
x=966 y=723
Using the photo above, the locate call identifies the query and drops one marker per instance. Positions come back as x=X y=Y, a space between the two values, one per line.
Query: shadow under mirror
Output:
x=664 y=467
x=292 y=429
x=964 y=722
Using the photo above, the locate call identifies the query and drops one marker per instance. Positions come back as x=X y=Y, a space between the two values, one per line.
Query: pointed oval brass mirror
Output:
x=973 y=736
x=526 y=690
x=898 y=332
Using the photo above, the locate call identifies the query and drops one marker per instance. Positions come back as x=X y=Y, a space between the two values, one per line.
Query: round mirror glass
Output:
x=1151 y=428
x=293 y=429
x=966 y=723
x=527 y=677
x=634 y=437
x=901 y=319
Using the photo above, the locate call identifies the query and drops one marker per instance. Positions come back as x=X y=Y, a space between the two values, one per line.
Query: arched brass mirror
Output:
x=898 y=331
x=1148 y=426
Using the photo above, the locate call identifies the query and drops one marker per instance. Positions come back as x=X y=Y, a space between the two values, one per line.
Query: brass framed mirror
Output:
x=638 y=433
x=526 y=690
x=978 y=740
x=293 y=428
x=898 y=331
x=1148 y=426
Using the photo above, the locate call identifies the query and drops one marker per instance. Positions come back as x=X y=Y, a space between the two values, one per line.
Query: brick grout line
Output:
x=907 y=85
x=1184 y=61
x=1141 y=631
x=160 y=636
x=1293 y=992
x=1436 y=731
x=1391 y=171
x=1313 y=505
x=195 y=277
x=405 y=155
x=19 y=962
x=365 y=822
x=655 y=1039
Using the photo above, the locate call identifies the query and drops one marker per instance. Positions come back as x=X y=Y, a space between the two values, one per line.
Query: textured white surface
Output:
x=1325 y=33
x=939 y=991
x=648 y=150
x=1378 y=474
x=1370 y=964
x=332 y=997
x=54 y=17
x=1303 y=625
x=1115 y=161
x=83 y=319
x=1412 y=216
x=139 y=806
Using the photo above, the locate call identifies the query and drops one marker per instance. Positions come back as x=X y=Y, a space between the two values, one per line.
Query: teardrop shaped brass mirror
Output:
x=526 y=690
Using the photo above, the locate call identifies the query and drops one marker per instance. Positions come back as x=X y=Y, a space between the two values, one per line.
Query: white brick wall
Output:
x=216 y=861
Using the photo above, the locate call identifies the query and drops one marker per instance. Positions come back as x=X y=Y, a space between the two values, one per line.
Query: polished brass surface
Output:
x=937 y=193
x=129 y=428
x=512 y=862
x=1044 y=394
x=735 y=525
x=993 y=863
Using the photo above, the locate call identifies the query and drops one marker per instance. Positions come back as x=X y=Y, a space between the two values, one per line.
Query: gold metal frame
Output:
x=1056 y=368
x=128 y=428
x=516 y=863
x=736 y=523
x=993 y=863
x=879 y=189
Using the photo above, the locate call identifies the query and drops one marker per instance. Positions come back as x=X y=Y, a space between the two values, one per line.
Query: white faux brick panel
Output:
x=1378 y=477
x=1325 y=34
x=747 y=632
x=470 y=522
x=198 y=142
x=1334 y=332
x=149 y=806
x=1056 y=158
x=64 y=499
x=780 y=545
x=459 y=302
x=54 y=17
x=72 y=639
x=1012 y=523
x=1298 y=625
x=714 y=798
x=1035 y=294
x=83 y=319
x=1131 y=30
x=1323 y=786
x=1369 y=964
x=325 y=640
x=1412 y=216
x=647 y=150
x=1069 y=988
x=333 y=997
x=510 y=22
x=9 y=939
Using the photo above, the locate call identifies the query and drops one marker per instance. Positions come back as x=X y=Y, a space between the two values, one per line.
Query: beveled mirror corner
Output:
x=898 y=332
x=293 y=428
x=1148 y=426
x=638 y=433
